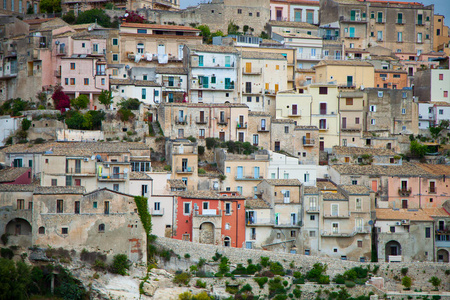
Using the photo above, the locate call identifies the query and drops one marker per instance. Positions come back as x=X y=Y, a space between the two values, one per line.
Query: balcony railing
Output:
x=263 y=129
x=352 y=19
x=432 y=190
x=57 y=73
x=338 y=233
x=113 y=177
x=308 y=142
x=207 y=212
x=333 y=216
x=309 y=56
x=201 y=120
x=249 y=177
x=404 y=192
x=400 y=22
x=181 y=120
x=259 y=221
x=185 y=170
x=253 y=71
x=61 y=52
x=312 y=209
x=252 y=91
x=222 y=122
x=329 y=37
x=380 y=20
x=241 y=125
x=253 y=236
x=157 y=212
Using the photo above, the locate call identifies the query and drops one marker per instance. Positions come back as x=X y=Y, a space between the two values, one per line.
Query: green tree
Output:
x=205 y=32
x=217 y=33
x=26 y=124
x=74 y=120
x=130 y=103
x=120 y=264
x=80 y=102
x=96 y=118
x=50 y=6
x=407 y=282
x=30 y=10
x=435 y=281
x=233 y=28
x=125 y=114
x=417 y=149
x=69 y=17
x=105 y=98
x=94 y=15
x=14 y=279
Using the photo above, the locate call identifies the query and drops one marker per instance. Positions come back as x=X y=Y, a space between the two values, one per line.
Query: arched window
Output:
x=227 y=241
x=101 y=228
x=41 y=230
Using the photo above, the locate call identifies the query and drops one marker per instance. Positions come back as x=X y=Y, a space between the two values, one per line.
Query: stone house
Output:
x=182 y=155
x=442 y=232
x=352 y=117
x=281 y=27
x=361 y=155
x=403 y=235
x=263 y=74
x=391 y=79
x=174 y=83
x=312 y=220
x=441 y=36
x=412 y=62
x=386 y=24
x=259 y=125
x=210 y=217
x=227 y=121
x=345 y=227
x=213 y=73
x=274 y=218
x=432 y=85
x=391 y=112
x=243 y=172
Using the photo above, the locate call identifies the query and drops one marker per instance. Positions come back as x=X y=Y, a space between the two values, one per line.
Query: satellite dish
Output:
x=370 y=222
x=362 y=87
x=125 y=171
x=92 y=157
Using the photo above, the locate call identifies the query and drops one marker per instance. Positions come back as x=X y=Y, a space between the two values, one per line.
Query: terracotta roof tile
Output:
x=208 y=195
x=11 y=174
x=180 y=71
x=14 y=188
x=212 y=48
x=438 y=170
x=262 y=55
x=134 y=82
x=406 y=169
x=157 y=26
x=355 y=189
x=256 y=203
x=57 y=190
x=139 y=176
x=310 y=190
x=176 y=183
x=355 y=63
x=283 y=182
x=293 y=24
x=341 y=150
x=333 y=196
x=402 y=214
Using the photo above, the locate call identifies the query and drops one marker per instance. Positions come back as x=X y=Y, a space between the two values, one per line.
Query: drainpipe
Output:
x=420 y=192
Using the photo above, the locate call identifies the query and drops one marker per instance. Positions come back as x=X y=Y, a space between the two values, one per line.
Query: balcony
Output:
x=442 y=240
x=113 y=177
x=354 y=19
x=181 y=120
x=355 y=231
x=185 y=170
x=326 y=127
x=253 y=236
x=263 y=129
x=217 y=66
x=399 y=22
x=157 y=212
x=381 y=20
x=251 y=91
x=201 y=120
x=329 y=37
x=252 y=71
x=309 y=56
x=61 y=52
x=270 y=92
x=207 y=213
x=241 y=125
x=404 y=192
x=222 y=122
x=332 y=216
x=351 y=128
x=241 y=178
x=308 y=142
x=420 y=23
x=313 y=210
x=350 y=36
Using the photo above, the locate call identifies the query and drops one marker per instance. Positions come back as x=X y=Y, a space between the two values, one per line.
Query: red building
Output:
x=210 y=217
x=15 y=176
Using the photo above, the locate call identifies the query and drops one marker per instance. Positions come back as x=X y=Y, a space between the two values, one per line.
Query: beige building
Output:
x=352 y=117
x=182 y=155
x=242 y=172
x=363 y=156
x=274 y=218
x=441 y=32
x=263 y=75
x=345 y=230
x=259 y=128
x=227 y=121
x=345 y=73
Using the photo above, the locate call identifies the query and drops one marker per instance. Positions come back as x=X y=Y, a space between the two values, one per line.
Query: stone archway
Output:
x=18 y=226
x=442 y=255
x=392 y=248
x=207 y=233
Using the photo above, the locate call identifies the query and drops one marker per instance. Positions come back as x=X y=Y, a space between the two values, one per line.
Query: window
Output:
x=427 y=232
x=358 y=204
x=59 y=206
x=322 y=124
x=293 y=233
x=335 y=228
x=101 y=228
x=360 y=244
x=354 y=182
x=399 y=36
x=312 y=218
x=323 y=90
x=205 y=205
x=54 y=182
x=334 y=209
x=72 y=66
x=64 y=230
x=349 y=101
x=441 y=76
x=250 y=14
x=20 y=204
x=323 y=108
x=94 y=204
x=312 y=233
x=419 y=37
x=115 y=57
x=445 y=94
x=286 y=175
x=441 y=111
x=373 y=108
x=106 y=208
x=157 y=206
x=66 y=81
x=286 y=129
x=116 y=187
x=403 y=111
x=115 y=42
x=380 y=35
x=41 y=230
x=187 y=208
x=392 y=229
x=372 y=121
x=77 y=207
x=142 y=31
x=356 y=120
x=140 y=48
x=255 y=140
x=239 y=11
x=86 y=81
x=228 y=208
x=257 y=14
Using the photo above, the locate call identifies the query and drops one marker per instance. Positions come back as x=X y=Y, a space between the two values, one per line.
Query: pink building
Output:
x=17 y=175
x=295 y=11
x=412 y=62
x=427 y=190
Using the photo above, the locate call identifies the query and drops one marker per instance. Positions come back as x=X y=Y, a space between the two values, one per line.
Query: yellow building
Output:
x=440 y=33
x=345 y=73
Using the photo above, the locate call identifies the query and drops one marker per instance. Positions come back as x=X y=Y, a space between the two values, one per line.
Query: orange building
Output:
x=391 y=79
x=211 y=217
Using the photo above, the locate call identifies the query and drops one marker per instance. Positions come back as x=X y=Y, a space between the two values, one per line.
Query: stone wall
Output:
x=420 y=272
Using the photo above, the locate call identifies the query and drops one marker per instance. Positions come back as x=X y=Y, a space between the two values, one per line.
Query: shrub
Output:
x=316 y=272
x=120 y=264
x=297 y=293
x=5 y=238
x=200 y=284
x=404 y=271
x=216 y=256
x=192 y=139
x=252 y=269
x=407 y=282
x=264 y=261
x=99 y=265
x=436 y=282
x=26 y=124
x=277 y=269
x=323 y=279
x=276 y=287
x=261 y=281
x=246 y=288
x=201 y=150
x=39 y=141
x=201 y=262
x=7 y=253
x=167 y=168
x=350 y=284
x=224 y=266
x=201 y=171
x=182 y=278
x=187 y=256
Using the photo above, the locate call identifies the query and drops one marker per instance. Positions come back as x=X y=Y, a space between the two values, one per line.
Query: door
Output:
x=240 y=172
x=248 y=67
x=279 y=15
x=419 y=19
x=277 y=146
x=150 y=117
x=116 y=171
x=227 y=61
x=349 y=80
x=228 y=83
x=161 y=49
x=180 y=115
x=294 y=109
x=352 y=31
x=293 y=219
x=202 y=116
x=184 y=164
x=334 y=209
x=77 y=207
x=256 y=173
x=263 y=124
x=222 y=136
x=298 y=16
x=241 y=137
x=432 y=187
x=404 y=204
x=323 y=108
x=394 y=250
x=180 y=52
x=241 y=121
x=248 y=87
x=308 y=138
x=344 y=122
x=374 y=185
x=352 y=15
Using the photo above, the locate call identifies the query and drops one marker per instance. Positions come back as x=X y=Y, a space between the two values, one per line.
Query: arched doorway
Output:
x=207 y=233
x=442 y=255
x=18 y=226
x=393 y=248
x=227 y=241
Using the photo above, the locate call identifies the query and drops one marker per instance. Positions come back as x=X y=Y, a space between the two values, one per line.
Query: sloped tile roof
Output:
x=402 y=214
x=11 y=174
x=283 y=182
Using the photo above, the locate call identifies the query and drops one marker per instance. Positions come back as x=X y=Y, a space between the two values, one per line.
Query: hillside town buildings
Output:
x=310 y=127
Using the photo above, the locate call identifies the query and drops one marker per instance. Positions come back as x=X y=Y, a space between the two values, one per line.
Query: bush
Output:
x=252 y=269
x=192 y=139
x=7 y=253
x=200 y=284
x=201 y=171
x=276 y=268
x=187 y=256
x=167 y=168
x=404 y=271
x=264 y=261
x=324 y=279
x=120 y=264
x=316 y=272
x=99 y=265
x=435 y=281
x=407 y=282
x=182 y=278
x=201 y=150
x=261 y=281
x=224 y=266
x=26 y=124
x=216 y=256
x=211 y=143
x=350 y=284
x=276 y=287
x=297 y=293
